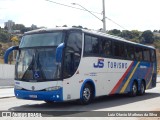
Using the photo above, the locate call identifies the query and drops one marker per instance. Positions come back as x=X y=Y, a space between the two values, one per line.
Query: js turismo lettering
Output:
x=118 y=65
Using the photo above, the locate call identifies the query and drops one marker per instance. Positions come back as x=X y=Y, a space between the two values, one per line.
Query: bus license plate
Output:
x=33 y=96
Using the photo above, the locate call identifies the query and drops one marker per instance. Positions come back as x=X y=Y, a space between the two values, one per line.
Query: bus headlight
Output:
x=53 y=88
x=17 y=87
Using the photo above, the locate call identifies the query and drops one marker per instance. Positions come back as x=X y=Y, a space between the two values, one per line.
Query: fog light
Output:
x=57 y=96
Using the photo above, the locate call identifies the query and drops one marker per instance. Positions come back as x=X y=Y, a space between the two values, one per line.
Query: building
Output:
x=33 y=27
x=9 y=25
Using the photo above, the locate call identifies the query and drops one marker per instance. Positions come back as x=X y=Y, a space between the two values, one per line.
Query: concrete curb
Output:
x=6 y=92
x=6 y=87
x=6 y=97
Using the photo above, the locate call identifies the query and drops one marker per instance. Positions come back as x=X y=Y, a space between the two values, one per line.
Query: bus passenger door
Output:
x=72 y=56
x=72 y=53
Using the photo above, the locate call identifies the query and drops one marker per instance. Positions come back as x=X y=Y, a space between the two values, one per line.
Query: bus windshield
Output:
x=36 y=59
x=42 y=39
x=37 y=64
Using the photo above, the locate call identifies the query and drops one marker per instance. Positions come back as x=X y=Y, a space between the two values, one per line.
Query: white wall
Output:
x=7 y=71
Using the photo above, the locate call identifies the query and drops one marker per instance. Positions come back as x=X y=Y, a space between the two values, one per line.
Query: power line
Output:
x=71 y=6
x=115 y=23
x=86 y=11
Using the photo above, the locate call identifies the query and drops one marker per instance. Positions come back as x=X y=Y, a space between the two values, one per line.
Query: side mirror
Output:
x=8 y=51
x=59 y=51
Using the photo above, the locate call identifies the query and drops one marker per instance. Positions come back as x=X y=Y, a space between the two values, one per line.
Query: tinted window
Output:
x=106 y=47
x=91 y=45
x=146 y=55
x=153 y=56
x=42 y=39
x=138 y=53
x=119 y=49
x=74 y=42
x=129 y=51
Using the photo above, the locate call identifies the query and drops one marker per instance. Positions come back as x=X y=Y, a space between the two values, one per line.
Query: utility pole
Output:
x=104 y=18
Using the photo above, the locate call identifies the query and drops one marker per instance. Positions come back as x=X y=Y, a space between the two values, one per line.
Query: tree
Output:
x=0 y=49
x=135 y=33
x=5 y=27
x=115 y=32
x=148 y=36
x=77 y=26
x=14 y=39
x=20 y=27
x=127 y=34
x=4 y=36
x=155 y=30
x=64 y=26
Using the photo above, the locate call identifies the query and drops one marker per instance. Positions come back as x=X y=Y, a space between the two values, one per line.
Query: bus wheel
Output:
x=87 y=95
x=142 y=88
x=134 y=90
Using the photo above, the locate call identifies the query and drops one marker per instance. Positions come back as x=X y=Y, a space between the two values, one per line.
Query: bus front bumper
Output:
x=55 y=95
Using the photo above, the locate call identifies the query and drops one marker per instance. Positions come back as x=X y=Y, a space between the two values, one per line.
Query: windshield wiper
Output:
x=30 y=67
x=40 y=67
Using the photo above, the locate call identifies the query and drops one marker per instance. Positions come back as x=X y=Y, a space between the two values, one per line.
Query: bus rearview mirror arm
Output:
x=8 y=51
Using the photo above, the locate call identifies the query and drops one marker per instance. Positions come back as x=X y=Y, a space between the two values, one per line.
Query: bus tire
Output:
x=134 y=90
x=142 y=89
x=87 y=95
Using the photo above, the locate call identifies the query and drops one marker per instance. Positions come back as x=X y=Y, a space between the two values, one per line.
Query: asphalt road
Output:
x=149 y=102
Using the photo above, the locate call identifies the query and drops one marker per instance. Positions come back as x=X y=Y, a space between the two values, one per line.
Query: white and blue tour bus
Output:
x=64 y=64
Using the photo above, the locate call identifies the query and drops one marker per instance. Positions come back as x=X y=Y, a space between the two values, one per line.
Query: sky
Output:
x=129 y=14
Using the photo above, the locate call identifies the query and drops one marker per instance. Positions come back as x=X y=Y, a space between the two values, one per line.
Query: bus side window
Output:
x=106 y=48
x=119 y=50
x=91 y=46
x=153 y=56
x=146 y=55
x=138 y=53
x=130 y=52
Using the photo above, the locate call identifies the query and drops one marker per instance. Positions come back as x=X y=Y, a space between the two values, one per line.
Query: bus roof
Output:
x=98 y=33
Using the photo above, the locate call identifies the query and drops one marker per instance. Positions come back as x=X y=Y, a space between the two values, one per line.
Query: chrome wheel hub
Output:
x=86 y=94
